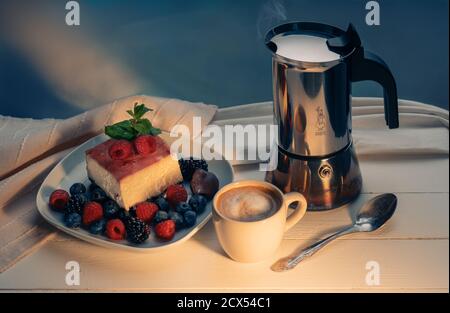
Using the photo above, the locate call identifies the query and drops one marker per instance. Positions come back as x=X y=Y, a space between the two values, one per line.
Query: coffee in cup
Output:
x=248 y=203
x=250 y=218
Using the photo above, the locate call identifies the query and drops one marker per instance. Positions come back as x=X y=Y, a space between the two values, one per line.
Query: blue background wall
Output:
x=212 y=50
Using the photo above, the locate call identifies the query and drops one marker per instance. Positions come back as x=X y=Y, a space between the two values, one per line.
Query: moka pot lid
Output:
x=312 y=43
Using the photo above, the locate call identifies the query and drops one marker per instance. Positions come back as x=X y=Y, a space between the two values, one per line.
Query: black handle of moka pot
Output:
x=365 y=65
x=368 y=66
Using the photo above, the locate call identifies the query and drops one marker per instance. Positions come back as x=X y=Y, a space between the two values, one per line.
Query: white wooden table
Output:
x=412 y=250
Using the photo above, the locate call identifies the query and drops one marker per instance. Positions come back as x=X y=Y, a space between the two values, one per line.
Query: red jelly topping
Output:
x=136 y=162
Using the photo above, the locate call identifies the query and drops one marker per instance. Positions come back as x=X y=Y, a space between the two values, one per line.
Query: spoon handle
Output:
x=290 y=262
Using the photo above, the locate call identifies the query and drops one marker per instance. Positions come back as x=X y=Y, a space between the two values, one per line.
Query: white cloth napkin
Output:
x=30 y=148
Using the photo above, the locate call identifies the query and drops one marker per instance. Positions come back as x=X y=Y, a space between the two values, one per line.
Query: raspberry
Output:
x=92 y=212
x=165 y=230
x=58 y=199
x=146 y=211
x=176 y=194
x=121 y=149
x=115 y=229
x=145 y=144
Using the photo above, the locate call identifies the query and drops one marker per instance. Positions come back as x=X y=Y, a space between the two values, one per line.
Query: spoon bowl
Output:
x=376 y=212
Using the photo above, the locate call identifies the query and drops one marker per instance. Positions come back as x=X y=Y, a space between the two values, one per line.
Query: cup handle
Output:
x=299 y=211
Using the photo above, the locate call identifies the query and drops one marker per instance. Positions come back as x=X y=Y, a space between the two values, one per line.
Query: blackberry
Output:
x=137 y=231
x=76 y=203
x=188 y=167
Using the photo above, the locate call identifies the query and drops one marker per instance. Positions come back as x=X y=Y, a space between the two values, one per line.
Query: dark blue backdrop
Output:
x=212 y=50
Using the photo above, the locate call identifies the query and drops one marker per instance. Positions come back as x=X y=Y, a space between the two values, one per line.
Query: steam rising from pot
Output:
x=272 y=12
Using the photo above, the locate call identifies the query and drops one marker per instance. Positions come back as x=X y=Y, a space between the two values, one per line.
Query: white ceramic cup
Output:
x=253 y=241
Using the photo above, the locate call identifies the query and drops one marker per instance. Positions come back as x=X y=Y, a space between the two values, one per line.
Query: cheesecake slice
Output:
x=136 y=178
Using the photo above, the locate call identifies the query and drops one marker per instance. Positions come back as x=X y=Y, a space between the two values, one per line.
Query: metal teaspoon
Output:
x=371 y=216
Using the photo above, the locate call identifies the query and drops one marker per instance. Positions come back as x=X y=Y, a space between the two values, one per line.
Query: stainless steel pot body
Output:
x=312 y=106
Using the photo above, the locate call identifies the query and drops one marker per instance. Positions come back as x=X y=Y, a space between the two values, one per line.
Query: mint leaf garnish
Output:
x=140 y=110
x=130 y=129
x=121 y=130
x=155 y=131
x=143 y=127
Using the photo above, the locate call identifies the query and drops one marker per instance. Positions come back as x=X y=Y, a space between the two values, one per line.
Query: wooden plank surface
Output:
x=200 y=265
x=412 y=252
x=412 y=249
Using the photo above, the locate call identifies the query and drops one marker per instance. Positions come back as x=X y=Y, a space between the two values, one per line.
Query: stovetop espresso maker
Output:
x=313 y=67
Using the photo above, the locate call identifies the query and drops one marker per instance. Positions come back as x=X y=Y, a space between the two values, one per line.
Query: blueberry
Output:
x=162 y=203
x=177 y=218
x=182 y=207
x=190 y=217
x=198 y=203
x=123 y=214
x=77 y=188
x=132 y=212
x=98 y=195
x=72 y=220
x=93 y=186
x=98 y=227
x=160 y=216
x=110 y=209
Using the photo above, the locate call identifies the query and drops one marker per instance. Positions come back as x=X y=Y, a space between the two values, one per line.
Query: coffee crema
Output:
x=248 y=204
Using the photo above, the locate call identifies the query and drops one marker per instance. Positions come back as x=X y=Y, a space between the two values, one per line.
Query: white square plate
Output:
x=72 y=169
